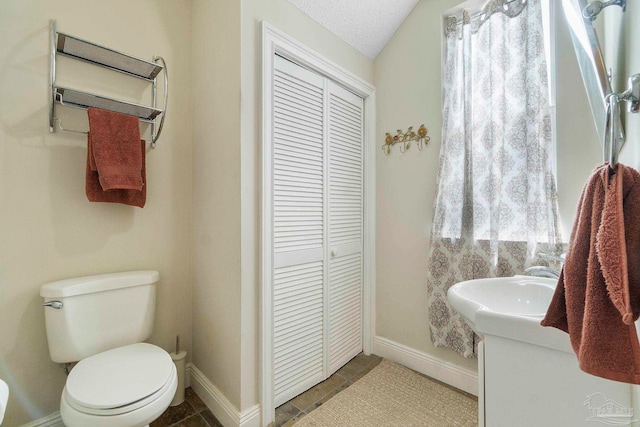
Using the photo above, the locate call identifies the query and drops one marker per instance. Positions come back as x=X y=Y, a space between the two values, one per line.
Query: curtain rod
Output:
x=510 y=8
x=489 y=8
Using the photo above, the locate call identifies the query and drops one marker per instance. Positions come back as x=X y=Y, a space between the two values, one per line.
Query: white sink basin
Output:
x=518 y=295
x=4 y=397
x=509 y=307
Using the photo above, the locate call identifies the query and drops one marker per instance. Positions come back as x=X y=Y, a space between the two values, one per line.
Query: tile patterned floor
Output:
x=194 y=413
x=290 y=412
x=190 y=413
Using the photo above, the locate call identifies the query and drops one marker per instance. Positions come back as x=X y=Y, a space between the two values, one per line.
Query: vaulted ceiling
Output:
x=367 y=25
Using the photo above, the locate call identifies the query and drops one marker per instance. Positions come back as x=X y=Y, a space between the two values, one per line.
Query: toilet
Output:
x=101 y=323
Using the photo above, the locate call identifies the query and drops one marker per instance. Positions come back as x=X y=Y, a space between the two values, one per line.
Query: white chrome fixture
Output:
x=593 y=9
x=85 y=51
x=610 y=145
x=53 y=304
x=546 y=271
x=542 y=271
x=592 y=66
x=101 y=322
x=603 y=100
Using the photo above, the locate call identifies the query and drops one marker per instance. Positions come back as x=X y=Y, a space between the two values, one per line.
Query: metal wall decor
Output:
x=405 y=138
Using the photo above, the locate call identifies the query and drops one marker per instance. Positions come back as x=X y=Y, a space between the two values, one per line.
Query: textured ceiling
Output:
x=367 y=25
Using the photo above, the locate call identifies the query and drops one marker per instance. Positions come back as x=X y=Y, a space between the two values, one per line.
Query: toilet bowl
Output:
x=128 y=386
x=101 y=323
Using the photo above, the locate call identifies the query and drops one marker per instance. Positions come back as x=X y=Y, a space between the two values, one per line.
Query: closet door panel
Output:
x=298 y=230
x=317 y=228
x=298 y=329
x=345 y=225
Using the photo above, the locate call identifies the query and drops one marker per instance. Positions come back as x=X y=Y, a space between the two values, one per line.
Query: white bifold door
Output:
x=317 y=228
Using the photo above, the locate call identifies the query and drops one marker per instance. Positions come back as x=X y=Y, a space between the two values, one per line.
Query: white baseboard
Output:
x=187 y=375
x=218 y=403
x=251 y=417
x=461 y=378
x=51 y=420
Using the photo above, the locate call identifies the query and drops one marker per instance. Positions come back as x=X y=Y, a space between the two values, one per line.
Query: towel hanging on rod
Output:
x=60 y=100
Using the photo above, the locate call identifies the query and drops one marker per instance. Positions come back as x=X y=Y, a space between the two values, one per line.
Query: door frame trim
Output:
x=275 y=41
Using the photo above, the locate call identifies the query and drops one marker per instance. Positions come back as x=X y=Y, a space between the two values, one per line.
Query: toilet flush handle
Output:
x=53 y=304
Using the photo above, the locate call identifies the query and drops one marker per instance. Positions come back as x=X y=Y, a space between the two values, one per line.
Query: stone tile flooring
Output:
x=190 y=413
x=194 y=413
x=290 y=412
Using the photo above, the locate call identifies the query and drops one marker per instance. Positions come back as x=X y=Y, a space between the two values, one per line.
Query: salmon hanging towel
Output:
x=115 y=159
x=597 y=298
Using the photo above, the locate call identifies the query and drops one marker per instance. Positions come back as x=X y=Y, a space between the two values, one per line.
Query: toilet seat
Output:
x=120 y=380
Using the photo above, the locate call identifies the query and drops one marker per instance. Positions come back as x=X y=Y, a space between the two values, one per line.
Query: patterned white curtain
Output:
x=496 y=204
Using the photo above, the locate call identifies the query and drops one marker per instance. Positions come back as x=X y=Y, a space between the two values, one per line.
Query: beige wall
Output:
x=216 y=193
x=287 y=18
x=49 y=230
x=408 y=94
x=578 y=146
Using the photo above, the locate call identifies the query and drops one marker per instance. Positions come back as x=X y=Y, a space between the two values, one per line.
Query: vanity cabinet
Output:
x=530 y=385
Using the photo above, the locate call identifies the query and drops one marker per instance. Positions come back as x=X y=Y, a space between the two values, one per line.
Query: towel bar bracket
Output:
x=52 y=72
x=84 y=132
x=155 y=135
x=632 y=94
x=593 y=9
x=612 y=103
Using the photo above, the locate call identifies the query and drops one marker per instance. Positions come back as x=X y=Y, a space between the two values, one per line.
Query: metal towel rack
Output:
x=593 y=9
x=82 y=50
x=612 y=102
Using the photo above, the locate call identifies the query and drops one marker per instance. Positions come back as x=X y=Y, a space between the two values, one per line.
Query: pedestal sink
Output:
x=4 y=397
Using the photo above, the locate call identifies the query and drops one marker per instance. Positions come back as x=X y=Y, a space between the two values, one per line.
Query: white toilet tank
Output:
x=98 y=313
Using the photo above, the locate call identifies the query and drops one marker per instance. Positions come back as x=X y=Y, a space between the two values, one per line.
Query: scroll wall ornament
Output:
x=405 y=138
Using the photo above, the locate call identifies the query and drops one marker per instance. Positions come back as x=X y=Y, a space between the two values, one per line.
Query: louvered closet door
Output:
x=298 y=229
x=345 y=225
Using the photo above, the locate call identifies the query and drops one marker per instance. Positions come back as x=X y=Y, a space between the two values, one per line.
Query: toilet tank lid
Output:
x=98 y=283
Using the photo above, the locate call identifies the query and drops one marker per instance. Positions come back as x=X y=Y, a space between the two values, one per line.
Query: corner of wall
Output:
x=216 y=71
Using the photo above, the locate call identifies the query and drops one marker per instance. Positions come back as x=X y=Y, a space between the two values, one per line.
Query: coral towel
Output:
x=597 y=298
x=115 y=159
x=95 y=193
